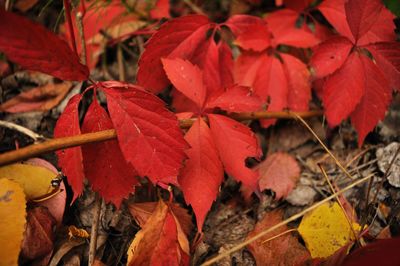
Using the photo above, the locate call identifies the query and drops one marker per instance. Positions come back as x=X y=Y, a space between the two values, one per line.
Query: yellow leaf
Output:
x=326 y=229
x=35 y=180
x=12 y=221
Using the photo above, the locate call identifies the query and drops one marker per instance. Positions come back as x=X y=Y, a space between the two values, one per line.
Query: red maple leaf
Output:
x=35 y=48
x=150 y=142
x=354 y=85
x=226 y=144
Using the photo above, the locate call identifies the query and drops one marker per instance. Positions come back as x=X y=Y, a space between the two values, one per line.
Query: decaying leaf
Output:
x=279 y=172
x=283 y=250
x=39 y=233
x=326 y=229
x=161 y=240
x=143 y=211
x=42 y=98
x=12 y=222
x=35 y=180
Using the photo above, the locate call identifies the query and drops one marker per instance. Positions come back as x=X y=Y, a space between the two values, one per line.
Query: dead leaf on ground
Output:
x=35 y=180
x=283 y=250
x=12 y=221
x=161 y=240
x=42 y=98
x=39 y=234
x=143 y=211
x=326 y=229
x=279 y=172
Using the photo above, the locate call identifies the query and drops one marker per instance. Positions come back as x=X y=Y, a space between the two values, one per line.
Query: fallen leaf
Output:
x=12 y=222
x=39 y=233
x=383 y=252
x=161 y=241
x=42 y=98
x=35 y=180
x=326 y=229
x=143 y=211
x=279 y=172
x=283 y=250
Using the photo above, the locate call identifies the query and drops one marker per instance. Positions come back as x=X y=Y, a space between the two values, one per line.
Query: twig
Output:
x=338 y=163
x=67 y=10
x=285 y=222
x=26 y=131
x=67 y=142
x=120 y=60
x=195 y=8
x=95 y=229
x=79 y=19
x=340 y=203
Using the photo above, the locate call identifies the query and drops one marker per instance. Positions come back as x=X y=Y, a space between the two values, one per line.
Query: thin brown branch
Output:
x=68 y=142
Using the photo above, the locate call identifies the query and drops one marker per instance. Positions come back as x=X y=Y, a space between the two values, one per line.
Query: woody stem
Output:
x=72 y=141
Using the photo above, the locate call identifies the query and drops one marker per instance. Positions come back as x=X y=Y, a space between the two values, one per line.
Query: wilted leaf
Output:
x=42 y=98
x=39 y=233
x=278 y=172
x=326 y=229
x=283 y=250
x=143 y=211
x=161 y=241
x=12 y=222
x=35 y=180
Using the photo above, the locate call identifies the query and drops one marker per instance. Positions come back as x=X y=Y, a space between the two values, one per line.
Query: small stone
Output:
x=301 y=196
x=385 y=156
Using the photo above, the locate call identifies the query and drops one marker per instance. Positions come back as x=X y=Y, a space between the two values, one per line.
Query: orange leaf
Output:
x=161 y=240
x=41 y=98
x=283 y=250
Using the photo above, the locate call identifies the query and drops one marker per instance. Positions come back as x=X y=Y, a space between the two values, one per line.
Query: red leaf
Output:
x=297 y=5
x=375 y=101
x=387 y=56
x=180 y=37
x=105 y=166
x=42 y=98
x=186 y=78
x=278 y=172
x=235 y=143
x=282 y=24
x=216 y=62
x=161 y=241
x=266 y=75
x=148 y=134
x=203 y=172
x=361 y=15
x=35 y=48
x=343 y=90
x=160 y=10
x=284 y=250
x=330 y=55
x=240 y=24
x=256 y=38
x=383 y=252
x=70 y=160
x=236 y=99
x=381 y=31
x=334 y=12
x=299 y=83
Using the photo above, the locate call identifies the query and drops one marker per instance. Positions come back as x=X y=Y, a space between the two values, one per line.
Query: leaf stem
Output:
x=72 y=141
x=67 y=9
